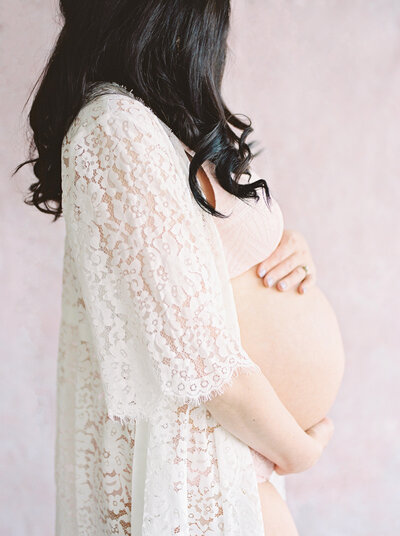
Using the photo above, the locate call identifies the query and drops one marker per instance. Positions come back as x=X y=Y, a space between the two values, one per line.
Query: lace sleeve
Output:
x=144 y=267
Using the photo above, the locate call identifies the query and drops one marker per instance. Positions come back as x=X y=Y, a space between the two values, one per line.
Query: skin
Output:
x=295 y=339
x=265 y=311
x=284 y=267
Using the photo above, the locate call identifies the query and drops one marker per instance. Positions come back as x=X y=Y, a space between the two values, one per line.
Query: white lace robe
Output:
x=148 y=333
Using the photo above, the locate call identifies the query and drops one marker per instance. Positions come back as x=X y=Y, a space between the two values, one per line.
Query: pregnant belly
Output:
x=296 y=341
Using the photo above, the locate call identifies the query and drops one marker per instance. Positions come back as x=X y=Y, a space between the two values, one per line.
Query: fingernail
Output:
x=282 y=284
x=303 y=289
x=270 y=281
x=262 y=272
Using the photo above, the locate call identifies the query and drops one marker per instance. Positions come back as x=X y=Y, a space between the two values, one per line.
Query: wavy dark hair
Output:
x=169 y=53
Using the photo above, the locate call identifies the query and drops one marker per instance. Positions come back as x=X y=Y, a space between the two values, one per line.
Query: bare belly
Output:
x=296 y=341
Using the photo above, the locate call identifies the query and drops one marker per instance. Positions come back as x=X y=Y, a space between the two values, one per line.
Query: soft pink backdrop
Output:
x=321 y=81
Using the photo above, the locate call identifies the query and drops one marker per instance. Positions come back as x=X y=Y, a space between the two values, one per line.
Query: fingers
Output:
x=289 y=273
x=324 y=423
x=290 y=243
x=283 y=268
x=308 y=281
x=295 y=277
x=322 y=431
x=328 y=432
x=283 y=251
x=328 y=420
x=286 y=272
x=279 y=471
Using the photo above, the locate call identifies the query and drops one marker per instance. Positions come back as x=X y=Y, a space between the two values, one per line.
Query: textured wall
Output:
x=321 y=81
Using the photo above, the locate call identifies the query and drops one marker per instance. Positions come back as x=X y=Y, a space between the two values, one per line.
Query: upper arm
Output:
x=145 y=268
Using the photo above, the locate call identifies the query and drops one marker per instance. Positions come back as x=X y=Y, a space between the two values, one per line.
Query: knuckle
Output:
x=293 y=274
x=291 y=263
x=297 y=269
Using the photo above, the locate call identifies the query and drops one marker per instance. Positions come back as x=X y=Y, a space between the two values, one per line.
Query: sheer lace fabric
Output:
x=148 y=333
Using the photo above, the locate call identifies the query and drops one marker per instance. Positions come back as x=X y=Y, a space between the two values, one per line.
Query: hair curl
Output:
x=171 y=54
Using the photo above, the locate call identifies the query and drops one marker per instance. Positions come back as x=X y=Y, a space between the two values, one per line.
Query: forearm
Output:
x=251 y=410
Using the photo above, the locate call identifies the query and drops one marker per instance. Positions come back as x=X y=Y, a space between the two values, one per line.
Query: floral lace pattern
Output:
x=148 y=333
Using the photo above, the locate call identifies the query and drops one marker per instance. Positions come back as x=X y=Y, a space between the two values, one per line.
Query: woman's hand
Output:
x=285 y=264
x=321 y=432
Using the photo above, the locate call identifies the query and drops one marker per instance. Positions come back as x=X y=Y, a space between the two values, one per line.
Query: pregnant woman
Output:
x=184 y=380
x=294 y=337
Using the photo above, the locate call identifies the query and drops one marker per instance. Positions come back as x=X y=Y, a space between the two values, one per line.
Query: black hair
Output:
x=171 y=54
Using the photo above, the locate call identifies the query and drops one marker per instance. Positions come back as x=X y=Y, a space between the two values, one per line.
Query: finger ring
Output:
x=306 y=269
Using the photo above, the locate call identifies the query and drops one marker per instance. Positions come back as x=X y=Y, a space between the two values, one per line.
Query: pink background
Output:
x=321 y=81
